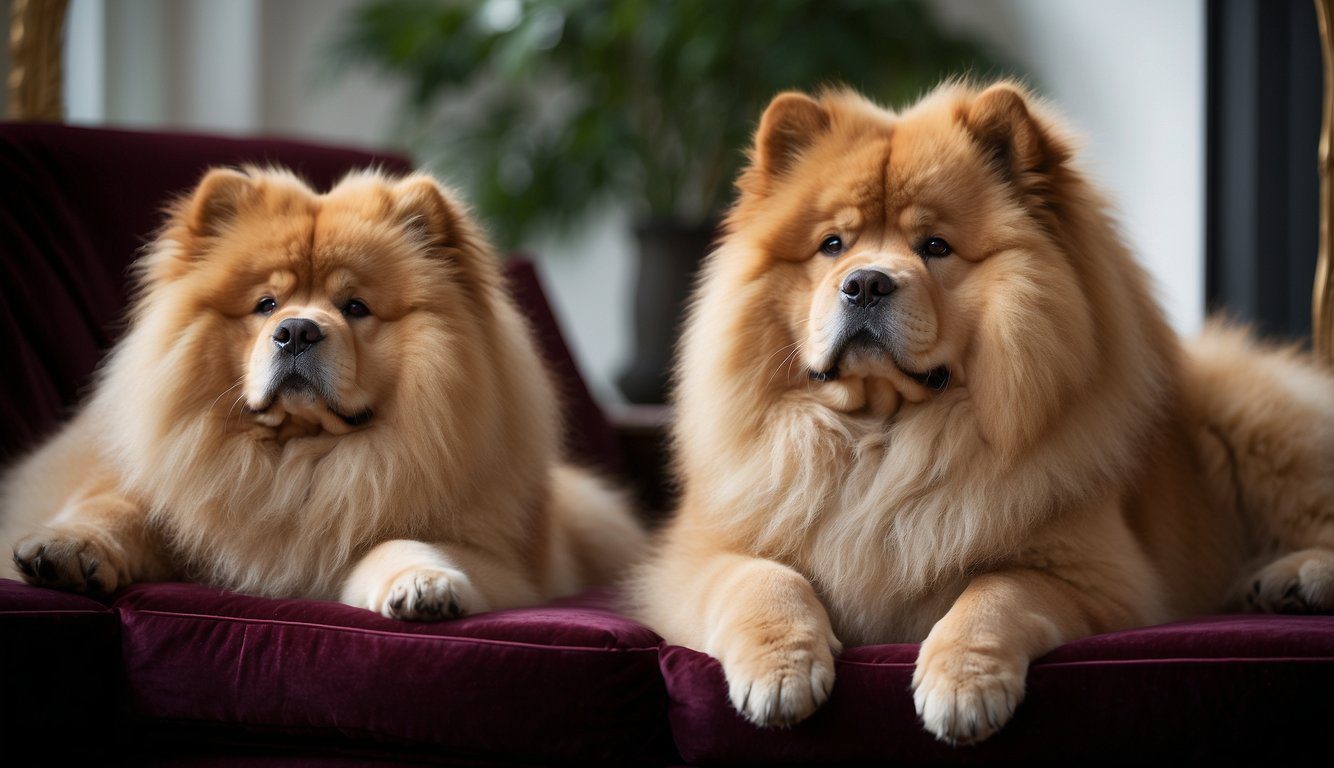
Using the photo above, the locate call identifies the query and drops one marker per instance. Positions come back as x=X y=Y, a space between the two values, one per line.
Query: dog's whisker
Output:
x=792 y=360
x=795 y=347
x=239 y=414
x=788 y=361
x=779 y=351
x=234 y=385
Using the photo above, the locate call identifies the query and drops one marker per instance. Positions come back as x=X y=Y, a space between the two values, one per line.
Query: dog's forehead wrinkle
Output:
x=310 y=243
x=883 y=190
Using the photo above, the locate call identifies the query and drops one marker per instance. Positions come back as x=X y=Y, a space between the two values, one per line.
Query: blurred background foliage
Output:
x=542 y=109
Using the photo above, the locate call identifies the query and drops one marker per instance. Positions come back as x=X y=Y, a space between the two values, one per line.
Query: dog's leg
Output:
x=762 y=620
x=417 y=581
x=1082 y=575
x=98 y=542
x=972 y=666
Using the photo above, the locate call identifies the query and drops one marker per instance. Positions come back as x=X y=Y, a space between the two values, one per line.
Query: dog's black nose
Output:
x=866 y=287
x=296 y=335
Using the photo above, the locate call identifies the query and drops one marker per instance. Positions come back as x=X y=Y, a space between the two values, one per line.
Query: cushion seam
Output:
x=1188 y=660
x=384 y=632
x=1118 y=662
x=61 y=612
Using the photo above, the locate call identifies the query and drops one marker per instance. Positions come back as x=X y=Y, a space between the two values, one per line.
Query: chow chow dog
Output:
x=925 y=395
x=319 y=395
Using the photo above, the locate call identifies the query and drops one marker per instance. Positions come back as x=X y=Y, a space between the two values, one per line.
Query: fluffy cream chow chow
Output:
x=319 y=395
x=925 y=394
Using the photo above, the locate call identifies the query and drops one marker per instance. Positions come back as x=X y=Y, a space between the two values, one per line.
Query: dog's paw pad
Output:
x=781 y=686
x=430 y=594
x=964 y=697
x=65 y=562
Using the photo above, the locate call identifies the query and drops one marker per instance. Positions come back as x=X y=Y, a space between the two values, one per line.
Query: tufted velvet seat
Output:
x=1211 y=689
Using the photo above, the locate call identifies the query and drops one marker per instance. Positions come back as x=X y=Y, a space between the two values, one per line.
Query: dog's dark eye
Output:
x=936 y=246
x=356 y=308
x=832 y=245
x=266 y=306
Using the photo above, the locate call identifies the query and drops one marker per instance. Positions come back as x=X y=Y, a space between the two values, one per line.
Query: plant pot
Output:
x=669 y=254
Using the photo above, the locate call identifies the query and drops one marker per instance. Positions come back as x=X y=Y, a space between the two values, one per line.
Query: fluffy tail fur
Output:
x=1265 y=421
x=595 y=538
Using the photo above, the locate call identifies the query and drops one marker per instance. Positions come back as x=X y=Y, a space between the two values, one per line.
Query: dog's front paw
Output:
x=1299 y=582
x=430 y=594
x=781 y=683
x=63 y=560
x=965 y=695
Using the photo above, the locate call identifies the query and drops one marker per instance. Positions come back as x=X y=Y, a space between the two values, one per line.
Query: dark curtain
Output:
x=1264 y=97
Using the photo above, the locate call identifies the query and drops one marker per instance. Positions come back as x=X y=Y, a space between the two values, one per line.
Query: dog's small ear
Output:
x=430 y=210
x=217 y=200
x=1014 y=139
x=441 y=222
x=791 y=123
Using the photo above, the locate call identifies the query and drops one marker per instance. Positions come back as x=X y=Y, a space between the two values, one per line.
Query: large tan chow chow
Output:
x=325 y=396
x=925 y=394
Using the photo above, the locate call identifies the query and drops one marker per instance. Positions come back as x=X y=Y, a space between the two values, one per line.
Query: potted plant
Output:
x=550 y=109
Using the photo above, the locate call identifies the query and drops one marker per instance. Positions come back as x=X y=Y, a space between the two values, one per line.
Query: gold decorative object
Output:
x=36 y=28
x=1322 y=308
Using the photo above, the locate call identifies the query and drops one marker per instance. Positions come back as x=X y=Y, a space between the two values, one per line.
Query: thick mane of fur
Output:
x=938 y=493
x=289 y=519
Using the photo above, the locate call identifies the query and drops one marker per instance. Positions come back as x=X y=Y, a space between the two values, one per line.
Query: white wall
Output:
x=1129 y=73
x=222 y=66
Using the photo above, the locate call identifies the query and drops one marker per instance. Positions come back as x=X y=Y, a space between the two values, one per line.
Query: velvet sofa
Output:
x=186 y=674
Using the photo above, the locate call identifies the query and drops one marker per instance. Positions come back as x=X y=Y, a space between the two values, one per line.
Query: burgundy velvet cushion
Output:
x=76 y=204
x=59 y=671
x=570 y=680
x=1217 y=688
